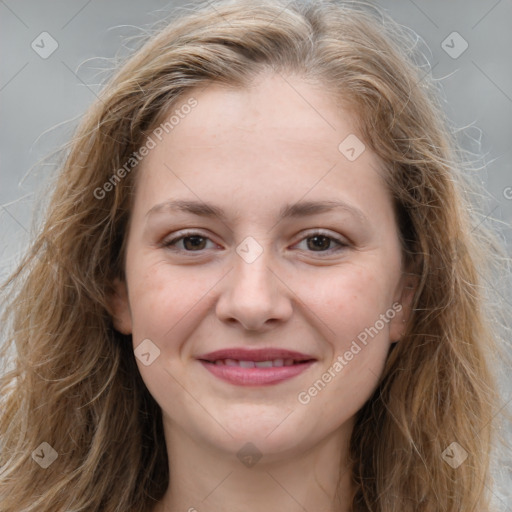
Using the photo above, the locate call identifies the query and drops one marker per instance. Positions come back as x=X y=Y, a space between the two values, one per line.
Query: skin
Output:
x=251 y=151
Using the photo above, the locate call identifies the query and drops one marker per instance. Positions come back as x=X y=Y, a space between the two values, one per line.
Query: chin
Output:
x=270 y=434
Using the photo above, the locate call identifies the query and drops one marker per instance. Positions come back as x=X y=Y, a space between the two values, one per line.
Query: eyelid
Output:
x=324 y=232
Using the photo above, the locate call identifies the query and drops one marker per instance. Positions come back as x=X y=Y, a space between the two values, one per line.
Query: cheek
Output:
x=348 y=300
x=354 y=306
x=359 y=344
x=161 y=297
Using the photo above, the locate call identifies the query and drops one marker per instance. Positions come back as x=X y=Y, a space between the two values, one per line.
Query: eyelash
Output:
x=171 y=243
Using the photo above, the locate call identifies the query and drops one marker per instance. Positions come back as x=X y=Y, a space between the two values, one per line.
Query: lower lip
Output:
x=256 y=376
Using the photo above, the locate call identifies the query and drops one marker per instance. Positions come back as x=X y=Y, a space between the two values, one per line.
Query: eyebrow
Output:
x=299 y=209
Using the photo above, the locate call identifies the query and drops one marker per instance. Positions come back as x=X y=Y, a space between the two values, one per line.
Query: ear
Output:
x=404 y=296
x=119 y=307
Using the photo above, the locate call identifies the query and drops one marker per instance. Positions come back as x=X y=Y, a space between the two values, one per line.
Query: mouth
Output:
x=271 y=363
x=255 y=367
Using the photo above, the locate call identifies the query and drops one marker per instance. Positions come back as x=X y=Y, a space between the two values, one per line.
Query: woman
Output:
x=256 y=285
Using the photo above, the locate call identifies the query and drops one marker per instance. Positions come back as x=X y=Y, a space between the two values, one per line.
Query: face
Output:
x=239 y=263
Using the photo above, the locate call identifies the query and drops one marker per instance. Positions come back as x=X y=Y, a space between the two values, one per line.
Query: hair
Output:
x=74 y=382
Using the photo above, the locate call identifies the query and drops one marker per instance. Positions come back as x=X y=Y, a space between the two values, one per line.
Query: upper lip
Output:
x=261 y=354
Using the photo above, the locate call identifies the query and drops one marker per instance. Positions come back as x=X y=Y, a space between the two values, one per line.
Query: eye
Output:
x=320 y=241
x=317 y=241
x=192 y=242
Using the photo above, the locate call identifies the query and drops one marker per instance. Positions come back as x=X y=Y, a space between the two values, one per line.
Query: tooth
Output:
x=246 y=364
x=230 y=362
x=219 y=362
x=263 y=364
x=278 y=362
x=288 y=362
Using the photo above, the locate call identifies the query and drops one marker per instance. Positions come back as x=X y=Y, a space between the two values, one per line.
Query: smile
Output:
x=260 y=367
x=256 y=364
x=247 y=373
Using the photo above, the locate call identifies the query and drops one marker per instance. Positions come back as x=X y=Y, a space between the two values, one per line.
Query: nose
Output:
x=254 y=296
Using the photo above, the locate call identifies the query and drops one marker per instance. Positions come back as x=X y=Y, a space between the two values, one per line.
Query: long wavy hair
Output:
x=72 y=380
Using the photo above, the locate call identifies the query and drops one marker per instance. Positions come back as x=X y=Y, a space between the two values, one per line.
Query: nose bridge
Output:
x=252 y=294
x=252 y=273
x=252 y=270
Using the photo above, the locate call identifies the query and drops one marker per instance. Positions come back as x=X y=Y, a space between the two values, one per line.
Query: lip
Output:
x=265 y=376
x=261 y=354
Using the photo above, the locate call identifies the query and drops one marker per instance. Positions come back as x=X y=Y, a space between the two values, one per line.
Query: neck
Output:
x=203 y=478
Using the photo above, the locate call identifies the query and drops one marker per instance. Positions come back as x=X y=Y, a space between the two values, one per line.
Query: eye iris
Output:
x=196 y=242
x=325 y=245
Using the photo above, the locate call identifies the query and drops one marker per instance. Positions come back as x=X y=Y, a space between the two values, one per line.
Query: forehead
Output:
x=272 y=109
x=267 y=144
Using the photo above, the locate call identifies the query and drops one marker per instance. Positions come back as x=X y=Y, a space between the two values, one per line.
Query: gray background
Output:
x=42 y=99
